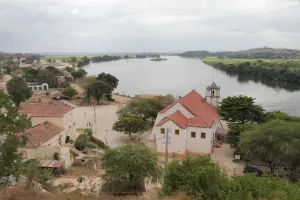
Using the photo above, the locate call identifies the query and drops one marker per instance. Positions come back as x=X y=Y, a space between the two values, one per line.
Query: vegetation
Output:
x=47 y=76
x=105 y=58
x=201 y=178
x=258 y=53
x=98 y=89
x=83 y=61
x=139 y=115
x=281 y=71
x=87 y=140
x=82 y=141
x=131 y=164
x=85 y=81
x=275 y=143
x=70 y=92
x=158 y=59
x=234 y=132
x=18 y=90
x=78 y=74
x=241 y=109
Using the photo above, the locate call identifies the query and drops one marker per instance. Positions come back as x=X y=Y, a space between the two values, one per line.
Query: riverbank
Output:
x=158 y=59
x=283 y=71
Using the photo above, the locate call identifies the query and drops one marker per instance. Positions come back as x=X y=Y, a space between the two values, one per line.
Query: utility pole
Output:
x=167 y=150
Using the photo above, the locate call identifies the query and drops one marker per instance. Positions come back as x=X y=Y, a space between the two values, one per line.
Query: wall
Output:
x=69 y=125
x=198 y=144
x=177 y=142
x=58 y=121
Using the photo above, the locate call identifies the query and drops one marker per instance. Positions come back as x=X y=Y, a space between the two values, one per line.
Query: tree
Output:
x=82 y=141
x=234 y=132
x=98 y=90
x=85 y=81
x=18 y=89
x=130 y=125
x=46 y=76
x=198 y=177
x=168 y=99
x=83 y=61
x=70 y=92
x=267 y=141
x=11 y=122
x=78 y=73
x=49 y=60
x=73 y=59
x=54 y=70
x=132 y=164
x=108 y=78
x=241 y=109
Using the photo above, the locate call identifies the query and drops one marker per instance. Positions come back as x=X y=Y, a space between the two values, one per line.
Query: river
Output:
x=178 y=76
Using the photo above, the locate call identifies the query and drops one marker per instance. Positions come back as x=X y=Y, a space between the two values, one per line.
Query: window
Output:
x=193 y=134
x=203 y=135
x=176 y=132
x=162 y=131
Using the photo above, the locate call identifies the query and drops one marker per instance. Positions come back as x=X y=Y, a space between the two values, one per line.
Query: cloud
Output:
x=140 y=25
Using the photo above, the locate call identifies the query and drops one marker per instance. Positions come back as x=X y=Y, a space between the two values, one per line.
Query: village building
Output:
x=37 y=87
x=191 y=124
x=52 y=128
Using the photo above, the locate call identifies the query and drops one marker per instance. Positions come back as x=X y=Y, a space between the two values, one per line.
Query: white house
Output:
x=191 y=123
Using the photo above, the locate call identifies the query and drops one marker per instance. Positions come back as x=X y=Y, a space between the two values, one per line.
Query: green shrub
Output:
x=56 y=156
x=91 y=146
x=81 y=142
x=98 y=142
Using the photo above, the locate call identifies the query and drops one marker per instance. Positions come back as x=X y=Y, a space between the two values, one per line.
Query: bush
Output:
x=91 y=146
x=99 y=142
x=56 y=156
x=81 y=142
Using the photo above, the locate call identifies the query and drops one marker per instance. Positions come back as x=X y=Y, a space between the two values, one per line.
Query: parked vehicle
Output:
x=61 y=98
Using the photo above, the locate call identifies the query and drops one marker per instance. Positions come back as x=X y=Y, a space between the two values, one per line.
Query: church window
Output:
x=203 y=135
x=176 y=132
x=162 y=131
x=213 y=93
x=193 y=134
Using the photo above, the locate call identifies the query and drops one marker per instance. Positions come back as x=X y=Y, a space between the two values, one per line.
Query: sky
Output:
x=147 y=25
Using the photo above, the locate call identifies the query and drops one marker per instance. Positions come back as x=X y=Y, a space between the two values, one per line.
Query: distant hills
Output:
x=258 y=53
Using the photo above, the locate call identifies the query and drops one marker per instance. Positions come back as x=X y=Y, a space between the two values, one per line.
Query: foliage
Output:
x=54 y=70
x=131 y=163
x=18 y=89
x=56 y=156
x=47 y=76
x=98 y=90
x=281 y=116
x=109 y=79
x=33 y=172
x=198 y=177
x=10 y=120
x=241 y=109
x=70 y=92
x=280 y=71
x=105 y=58
x=73 y=59
x=274 y=143
x=129 y=125
x=30 y=74
x=98 y=142
x=234 y=132
x=83 y=61
x=86 y=81
x=78 y=74
x=82 y=141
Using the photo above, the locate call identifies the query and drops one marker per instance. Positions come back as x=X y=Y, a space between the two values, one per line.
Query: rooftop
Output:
x=204 y=114
x=45 y=110
x=41 y=133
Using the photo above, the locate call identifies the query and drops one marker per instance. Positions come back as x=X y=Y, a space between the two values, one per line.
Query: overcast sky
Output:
x=153 y=25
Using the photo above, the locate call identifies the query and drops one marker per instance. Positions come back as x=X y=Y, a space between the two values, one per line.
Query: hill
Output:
x=258 y=53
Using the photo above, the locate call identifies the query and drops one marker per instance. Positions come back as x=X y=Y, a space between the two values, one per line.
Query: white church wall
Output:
x=198 y=144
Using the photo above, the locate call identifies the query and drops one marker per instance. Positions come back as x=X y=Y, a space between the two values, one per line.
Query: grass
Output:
x=158 y=59
x=292 y=64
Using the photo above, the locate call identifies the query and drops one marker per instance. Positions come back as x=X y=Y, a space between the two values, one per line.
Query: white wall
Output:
x=198 y=144
x=172 y=110
x=177 y=142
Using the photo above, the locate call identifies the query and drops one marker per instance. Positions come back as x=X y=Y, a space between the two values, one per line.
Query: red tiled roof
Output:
x=41 y=133
x=178 y=118
x=204 y=114
x=45 y=110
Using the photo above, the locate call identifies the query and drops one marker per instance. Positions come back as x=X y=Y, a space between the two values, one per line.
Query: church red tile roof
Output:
x=41 y=133
x=45 y=110
x=204 y=114
x=178 y=118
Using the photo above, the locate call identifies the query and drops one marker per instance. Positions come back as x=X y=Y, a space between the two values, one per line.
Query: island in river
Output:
x=158 y=59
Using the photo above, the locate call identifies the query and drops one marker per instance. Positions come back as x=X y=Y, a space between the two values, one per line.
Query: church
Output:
x=190 y=124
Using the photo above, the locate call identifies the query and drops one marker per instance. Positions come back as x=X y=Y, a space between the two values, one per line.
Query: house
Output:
x=38 y=87
x=190 y=124
x=60 y=115
x=43 y=141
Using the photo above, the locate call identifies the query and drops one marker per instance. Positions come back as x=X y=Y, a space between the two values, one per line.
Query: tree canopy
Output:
x=78 y=74
x=108 y=78
x=241 y=109
x=98 y=90
x=47 y=76
x=130 y=125
x=18 y=89
x=70 y=92
x=131 y=164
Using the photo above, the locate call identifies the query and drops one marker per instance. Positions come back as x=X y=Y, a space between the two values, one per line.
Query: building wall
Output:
x=177 y=142
x=198 y=144
x=58 y=121
x=69 y=123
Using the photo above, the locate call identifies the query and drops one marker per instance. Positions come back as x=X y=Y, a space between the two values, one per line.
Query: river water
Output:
x=178 y=76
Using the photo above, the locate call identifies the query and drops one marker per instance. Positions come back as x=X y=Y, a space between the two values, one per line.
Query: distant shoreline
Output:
x=158 y=59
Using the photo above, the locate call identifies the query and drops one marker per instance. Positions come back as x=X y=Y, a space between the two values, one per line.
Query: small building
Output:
x=38 y=87
x=59 y=114
x=43 y=141
x=191 y=124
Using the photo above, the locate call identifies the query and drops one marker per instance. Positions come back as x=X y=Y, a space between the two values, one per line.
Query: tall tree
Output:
x=18 y=89
x=70 y=92
x=130 y=165
x=11 y=122
x=241 y=109
x=108 y=78
x=130 y=125
x=47 y=76
x=98 y=90
x=78 y=74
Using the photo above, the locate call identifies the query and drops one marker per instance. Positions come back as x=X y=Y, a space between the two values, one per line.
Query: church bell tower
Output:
x=213 y=94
